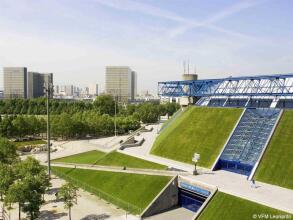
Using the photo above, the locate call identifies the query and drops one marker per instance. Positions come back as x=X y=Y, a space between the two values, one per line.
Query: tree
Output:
x=105 y=104
x=15 y=194
x=8 y=156
x=6 y=179
x=148 y=112
x=31 y=182
x=20 y=125
x=8 y=153
x=68 y=193
x=171 y=108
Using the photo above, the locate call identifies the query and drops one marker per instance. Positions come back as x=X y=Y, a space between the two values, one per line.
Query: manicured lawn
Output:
x=228 y=207
x=117 y=159
x=111 y=159
x=276 y=166
x=122 y=189
x=25 y=143
x=200 y=130
x=89 y=157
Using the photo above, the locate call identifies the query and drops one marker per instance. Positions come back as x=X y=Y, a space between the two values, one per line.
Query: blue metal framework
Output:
x=266 y=85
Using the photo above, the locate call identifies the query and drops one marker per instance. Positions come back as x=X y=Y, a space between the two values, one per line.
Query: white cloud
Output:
x=212 y=20
x=185 y=24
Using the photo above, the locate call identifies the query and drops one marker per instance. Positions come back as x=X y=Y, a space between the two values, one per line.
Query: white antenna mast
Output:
x=184 y=66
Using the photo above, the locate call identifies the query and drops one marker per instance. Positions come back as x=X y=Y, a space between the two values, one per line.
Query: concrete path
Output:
x=87 y=205
x=118 y=169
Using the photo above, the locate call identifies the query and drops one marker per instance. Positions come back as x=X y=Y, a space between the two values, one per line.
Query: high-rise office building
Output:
x=93 y=89
x=15 y=82
x=18 y=83
x=121 y=82
x=134 y=85
x=69 y=90
x=36 y=83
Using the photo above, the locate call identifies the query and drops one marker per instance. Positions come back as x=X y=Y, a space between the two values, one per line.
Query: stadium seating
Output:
x=285 y=103
x=236 y=102
x=248 y=140
x=217 y=102
x=259 y=103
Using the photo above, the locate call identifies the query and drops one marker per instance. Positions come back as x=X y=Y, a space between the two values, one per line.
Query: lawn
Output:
x=276 y=166
x=25 y=143
x=131 y=192
x=111 y=159
x=89 y=157
x=200 y=130
x=228 y=207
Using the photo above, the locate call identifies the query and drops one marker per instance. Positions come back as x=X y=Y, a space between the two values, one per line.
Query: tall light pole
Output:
x=49 y=91
x=115 y=122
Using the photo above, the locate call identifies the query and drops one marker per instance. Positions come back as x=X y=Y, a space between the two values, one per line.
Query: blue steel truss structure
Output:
x=266 y=85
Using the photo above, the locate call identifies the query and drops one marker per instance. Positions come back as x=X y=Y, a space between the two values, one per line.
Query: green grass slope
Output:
x=83 y=158
x=200 y=130
x=228 y=207
x=117 y=159
x=131 y=192
x=111 y=159
x=276 y=166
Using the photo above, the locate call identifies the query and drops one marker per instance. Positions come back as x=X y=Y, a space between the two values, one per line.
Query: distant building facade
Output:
x=93 y=90
x=15 y=82
x=19 y=83
x=121 y=82
x=36 y=82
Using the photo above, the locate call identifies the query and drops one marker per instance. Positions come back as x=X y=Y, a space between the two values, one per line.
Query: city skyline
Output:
x=221 y=38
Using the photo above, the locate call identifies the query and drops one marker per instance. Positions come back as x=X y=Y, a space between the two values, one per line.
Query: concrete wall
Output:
x=167 y=199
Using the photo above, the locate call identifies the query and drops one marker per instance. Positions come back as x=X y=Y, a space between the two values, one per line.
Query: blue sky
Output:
x=76 y=39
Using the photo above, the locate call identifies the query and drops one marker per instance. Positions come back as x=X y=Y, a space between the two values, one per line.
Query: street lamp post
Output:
x=115 y=122
x=49 y=91
x=195 y=159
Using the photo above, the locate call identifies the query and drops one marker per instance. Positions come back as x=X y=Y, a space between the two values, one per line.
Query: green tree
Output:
x=171 y=108
x=6 y=179
x=8 y=153
x=105 y=104
x=148 y=112
x=16 y=194
x=21 y=126
x=29 y=187
x=68 y=194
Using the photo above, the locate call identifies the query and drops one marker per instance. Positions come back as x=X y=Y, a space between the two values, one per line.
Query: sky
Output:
x=76 y=39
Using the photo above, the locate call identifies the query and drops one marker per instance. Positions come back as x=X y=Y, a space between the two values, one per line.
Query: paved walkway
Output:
x=232 y=183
